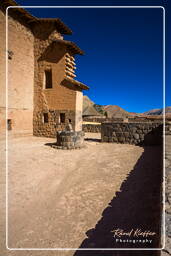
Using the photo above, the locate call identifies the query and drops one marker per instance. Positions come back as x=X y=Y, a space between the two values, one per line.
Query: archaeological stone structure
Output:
x=147 y=133
x=43 y=95
x=132 y=133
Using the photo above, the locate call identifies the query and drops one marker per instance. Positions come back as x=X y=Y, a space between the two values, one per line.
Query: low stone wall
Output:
x=132 y=133
x=102 y=119
x=94 y=119
x=69 y=140
x=94 y=128
x=129 y=119
x=145 y=126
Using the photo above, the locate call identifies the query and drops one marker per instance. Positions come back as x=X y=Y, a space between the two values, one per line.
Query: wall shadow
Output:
x=136 y=206
x=53 y=53
x=92 y=139
x=154 y=137
x=50 y=144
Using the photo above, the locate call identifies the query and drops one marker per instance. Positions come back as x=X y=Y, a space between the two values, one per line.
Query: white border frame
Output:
x=164 y=59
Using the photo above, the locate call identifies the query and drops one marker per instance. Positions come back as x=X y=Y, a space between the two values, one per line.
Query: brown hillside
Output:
x=115 y=111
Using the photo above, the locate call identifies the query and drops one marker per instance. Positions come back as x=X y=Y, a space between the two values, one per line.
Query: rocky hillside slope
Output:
x=114 y=111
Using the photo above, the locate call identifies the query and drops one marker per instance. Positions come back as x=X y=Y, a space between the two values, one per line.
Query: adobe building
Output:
x=43 y=95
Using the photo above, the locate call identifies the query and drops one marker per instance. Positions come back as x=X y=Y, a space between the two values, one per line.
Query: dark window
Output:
x=62 y=117
x=70 y=121
x=45 y=118
x=9 y=124
x=10 y=54
x=48 y=79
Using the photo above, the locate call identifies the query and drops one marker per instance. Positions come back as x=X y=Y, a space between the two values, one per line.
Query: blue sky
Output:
x=123 y=50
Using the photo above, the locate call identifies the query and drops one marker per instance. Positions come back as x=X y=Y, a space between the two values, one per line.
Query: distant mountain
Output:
x=158 y=111
x=87 y=102
x=111 y=111
x=114 y=111
x=88 y=107
x=100 y=109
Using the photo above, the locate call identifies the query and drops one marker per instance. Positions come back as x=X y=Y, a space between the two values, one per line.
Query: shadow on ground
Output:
x=50 y=144
x=92 y=139
x=136 y=206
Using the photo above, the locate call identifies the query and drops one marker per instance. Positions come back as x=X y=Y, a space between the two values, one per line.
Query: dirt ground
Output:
x=56 y=196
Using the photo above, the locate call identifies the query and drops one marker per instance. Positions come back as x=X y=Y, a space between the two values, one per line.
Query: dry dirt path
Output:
x=56 y=196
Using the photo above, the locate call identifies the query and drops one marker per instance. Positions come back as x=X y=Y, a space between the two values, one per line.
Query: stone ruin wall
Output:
x=129 y=119
x=20 y=75
x=101 y=119
x=134 y=133
x=94 y=128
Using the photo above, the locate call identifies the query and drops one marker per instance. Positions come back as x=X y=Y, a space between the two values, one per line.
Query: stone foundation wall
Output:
x=132 y=133
x=95 y=128
x=134 y=120
x=101 y=119
x=49 y=129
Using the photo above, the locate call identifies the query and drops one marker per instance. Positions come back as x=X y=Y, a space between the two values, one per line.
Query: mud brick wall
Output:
x=20 y=61
x=59 y=98
x=132 y=133
x=95 y=128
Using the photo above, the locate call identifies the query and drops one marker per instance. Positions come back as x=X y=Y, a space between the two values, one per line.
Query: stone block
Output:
x=115 y=139
x=126 y=134
x=105 y=139
x=141 y=136
x=121 y=139
x=113 y=134
x=110 y=139
x=136 y=136
x=119 y=134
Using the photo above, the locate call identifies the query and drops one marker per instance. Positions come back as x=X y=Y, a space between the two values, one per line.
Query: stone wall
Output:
x=69 y=140
x=94 y=128
x=49 y=129
x=101 y=119
x=129 y=119
x=132 y=133
x=20 y=74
